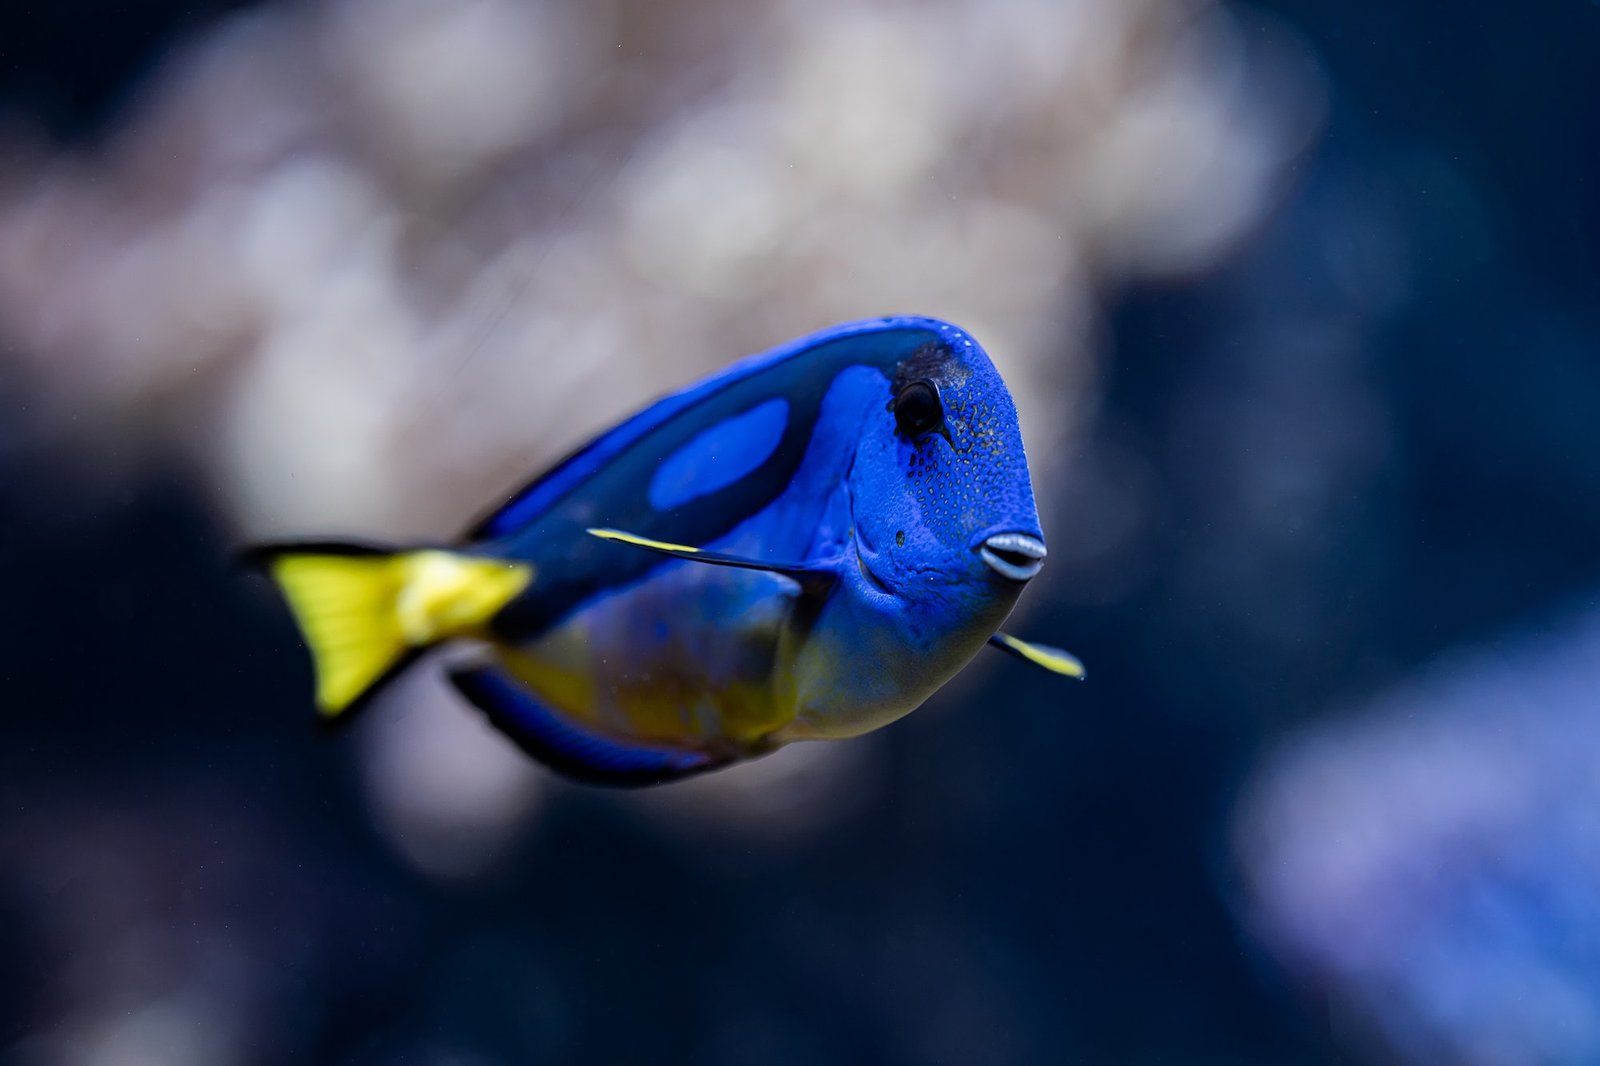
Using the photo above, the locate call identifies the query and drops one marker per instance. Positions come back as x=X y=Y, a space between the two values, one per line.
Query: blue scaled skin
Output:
x=805 y=546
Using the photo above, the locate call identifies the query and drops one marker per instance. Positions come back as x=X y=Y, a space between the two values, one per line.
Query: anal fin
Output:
x=564 y=748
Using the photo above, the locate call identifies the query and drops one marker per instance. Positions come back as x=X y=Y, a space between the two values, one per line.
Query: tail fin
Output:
x=366 y=613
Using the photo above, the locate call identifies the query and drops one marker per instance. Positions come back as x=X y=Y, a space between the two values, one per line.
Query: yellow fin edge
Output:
x=642 y=542
x=361 y=614
x=1053 y=659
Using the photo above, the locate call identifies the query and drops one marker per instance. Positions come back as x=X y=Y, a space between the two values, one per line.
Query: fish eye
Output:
x=917 y=408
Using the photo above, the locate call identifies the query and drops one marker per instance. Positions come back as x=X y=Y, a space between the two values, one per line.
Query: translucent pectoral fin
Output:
x=813 y=577
x=570 y=751
x=1041 y=655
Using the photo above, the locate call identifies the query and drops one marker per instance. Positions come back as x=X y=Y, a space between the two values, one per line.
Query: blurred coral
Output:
x=1433 y=861
x=328 y=234
x=368 y=263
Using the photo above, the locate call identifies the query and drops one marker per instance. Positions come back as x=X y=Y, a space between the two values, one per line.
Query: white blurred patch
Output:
x=450 y=85
x=705 y=204
x=447 y=790
x=792 y=794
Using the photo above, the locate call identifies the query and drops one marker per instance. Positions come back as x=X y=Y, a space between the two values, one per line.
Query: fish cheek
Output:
x=893 y=485
x=943 y=500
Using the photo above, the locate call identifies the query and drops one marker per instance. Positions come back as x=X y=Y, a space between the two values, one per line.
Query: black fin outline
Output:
x=568 y=750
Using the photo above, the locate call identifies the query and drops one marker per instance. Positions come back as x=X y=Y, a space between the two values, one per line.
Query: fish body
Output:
x=804 y=546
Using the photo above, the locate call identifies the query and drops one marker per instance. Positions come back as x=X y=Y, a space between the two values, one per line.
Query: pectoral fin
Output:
x=1041 y=655
x=813 y=578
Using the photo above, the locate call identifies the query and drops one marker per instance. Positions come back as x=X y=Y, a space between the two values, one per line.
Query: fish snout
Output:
x=1016 y=556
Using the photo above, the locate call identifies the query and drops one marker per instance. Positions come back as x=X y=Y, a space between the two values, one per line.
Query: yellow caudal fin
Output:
x=365 y=613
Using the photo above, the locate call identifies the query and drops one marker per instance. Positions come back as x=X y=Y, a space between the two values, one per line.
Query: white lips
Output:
x=1013 y=555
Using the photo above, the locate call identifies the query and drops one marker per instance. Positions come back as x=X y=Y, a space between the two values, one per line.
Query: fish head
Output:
x=941 y=498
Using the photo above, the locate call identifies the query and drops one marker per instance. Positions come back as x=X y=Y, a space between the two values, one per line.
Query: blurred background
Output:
x=1299 y=301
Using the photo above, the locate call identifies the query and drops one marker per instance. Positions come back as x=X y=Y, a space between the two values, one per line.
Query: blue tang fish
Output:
x=804 y=546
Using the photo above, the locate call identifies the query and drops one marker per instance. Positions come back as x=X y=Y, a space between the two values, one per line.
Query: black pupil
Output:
x=916 y=409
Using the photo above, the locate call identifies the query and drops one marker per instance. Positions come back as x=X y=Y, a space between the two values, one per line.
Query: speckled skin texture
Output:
x=921 y=602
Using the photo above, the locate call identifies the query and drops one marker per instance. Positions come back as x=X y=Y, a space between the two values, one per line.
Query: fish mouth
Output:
x=1015 y=556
